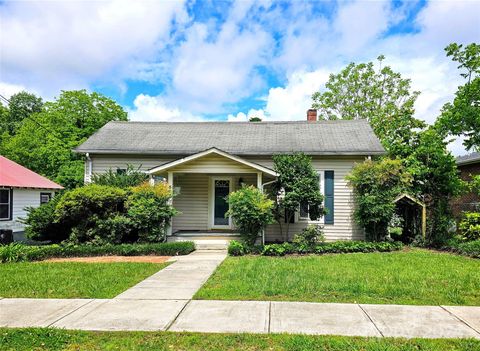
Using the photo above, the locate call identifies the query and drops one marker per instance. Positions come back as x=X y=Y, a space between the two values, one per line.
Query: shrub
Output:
x=236 y=248
x=308 y=238
x=471 y=248
x=470 y=226
x=278 y=249
x=116 y=229
x=18 y=252
x=131 y=177
x=375 y=185
x=357 y=246
x=41 y=225
x=251 y=211
x=79 y=210
x=150 y=211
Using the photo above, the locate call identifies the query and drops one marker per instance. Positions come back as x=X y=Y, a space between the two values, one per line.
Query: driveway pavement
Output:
x=163 y=302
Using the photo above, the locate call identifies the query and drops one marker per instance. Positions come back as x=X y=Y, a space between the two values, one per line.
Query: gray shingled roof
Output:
x=474 y=157
x=241 y=138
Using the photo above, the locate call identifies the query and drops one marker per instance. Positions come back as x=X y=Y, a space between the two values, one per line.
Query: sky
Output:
x=228 y=60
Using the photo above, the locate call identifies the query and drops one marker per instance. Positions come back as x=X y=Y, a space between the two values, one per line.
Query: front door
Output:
x=220 y=188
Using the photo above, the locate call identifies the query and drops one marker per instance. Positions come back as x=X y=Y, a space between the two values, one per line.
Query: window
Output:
x=45 y=197
x=5 y=204
x=304 y=211
x=121 y=171
x=328 y=194
x=304 y=214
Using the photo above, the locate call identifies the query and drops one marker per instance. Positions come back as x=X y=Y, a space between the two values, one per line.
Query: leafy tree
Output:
x=255 y=119
x=435 y=179
x=462 y=116
x=297 y=183
x=44 y=143
x=375 y=185
x=380 y=95
x=21 y=106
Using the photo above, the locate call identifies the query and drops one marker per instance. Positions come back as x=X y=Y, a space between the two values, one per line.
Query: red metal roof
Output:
x=16 y=176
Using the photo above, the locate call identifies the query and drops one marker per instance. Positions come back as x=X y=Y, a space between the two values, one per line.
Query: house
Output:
x=205 y=161
x=468 y=166
x=21 y=188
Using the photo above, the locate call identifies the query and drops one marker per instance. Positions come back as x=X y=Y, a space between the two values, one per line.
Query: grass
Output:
x=71 y=279
x=414 y=277
x=56 y=339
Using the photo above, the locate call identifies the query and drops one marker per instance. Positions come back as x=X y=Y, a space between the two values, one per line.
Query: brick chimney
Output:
x=312 y=115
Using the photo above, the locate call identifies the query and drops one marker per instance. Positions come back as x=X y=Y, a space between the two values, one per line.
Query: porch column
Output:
x=170 y=183
x=151 y=180
x=259 y=181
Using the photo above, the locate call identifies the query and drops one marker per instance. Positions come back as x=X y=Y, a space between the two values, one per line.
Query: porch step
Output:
x=205 y=241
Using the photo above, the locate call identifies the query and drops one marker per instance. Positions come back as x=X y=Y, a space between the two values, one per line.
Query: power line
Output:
x=36 y=122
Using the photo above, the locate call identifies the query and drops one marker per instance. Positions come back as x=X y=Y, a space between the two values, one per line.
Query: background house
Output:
x=206 y=161
x=468 y=165
x=21 y=188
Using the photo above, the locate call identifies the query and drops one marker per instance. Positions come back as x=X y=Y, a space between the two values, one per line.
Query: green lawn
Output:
x=72 y=279
x=52 y=339
x=417 y=277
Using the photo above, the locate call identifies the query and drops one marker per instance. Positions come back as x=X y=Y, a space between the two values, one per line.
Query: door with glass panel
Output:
x=220 y=187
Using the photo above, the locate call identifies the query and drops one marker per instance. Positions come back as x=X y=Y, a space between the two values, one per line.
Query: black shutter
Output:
x=329 y=205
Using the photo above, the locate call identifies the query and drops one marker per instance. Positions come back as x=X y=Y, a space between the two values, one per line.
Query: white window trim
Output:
x=321 y=177
x=10 y=205
x=211 y=203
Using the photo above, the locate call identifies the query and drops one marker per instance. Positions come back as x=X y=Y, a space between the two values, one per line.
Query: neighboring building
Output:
x=205 y=161
x=468 y=165
x=21 y=188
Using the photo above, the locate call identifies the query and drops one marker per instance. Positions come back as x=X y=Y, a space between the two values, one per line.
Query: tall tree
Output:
x=380 y=95
x=21 y=106
x=44 y=142
x=462 y=116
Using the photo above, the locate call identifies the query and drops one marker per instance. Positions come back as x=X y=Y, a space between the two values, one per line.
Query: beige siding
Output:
x=193 y=200
x=102 y=163
x=344 y=227
x=192 y=177
x=22 y=198
x=212 y=164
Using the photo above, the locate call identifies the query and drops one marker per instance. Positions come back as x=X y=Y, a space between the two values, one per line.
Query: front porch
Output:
x=201 y=183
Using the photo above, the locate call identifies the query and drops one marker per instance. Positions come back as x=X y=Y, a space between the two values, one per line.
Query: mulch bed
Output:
x=107 y=259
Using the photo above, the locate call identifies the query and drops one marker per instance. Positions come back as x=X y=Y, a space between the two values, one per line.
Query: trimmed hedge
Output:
x=18 y=252
x=469 y=248
x=239 y=249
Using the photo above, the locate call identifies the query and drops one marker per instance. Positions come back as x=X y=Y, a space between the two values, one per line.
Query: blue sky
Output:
x=227 y=60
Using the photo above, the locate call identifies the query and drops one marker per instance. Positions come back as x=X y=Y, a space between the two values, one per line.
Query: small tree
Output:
x=251 y=211
x=297 y=183
x=375 y=186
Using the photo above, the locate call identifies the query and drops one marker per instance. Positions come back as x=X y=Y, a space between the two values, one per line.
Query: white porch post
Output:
x=260 y=187
x=259 y=181
x=151 y=180
x=170 y=183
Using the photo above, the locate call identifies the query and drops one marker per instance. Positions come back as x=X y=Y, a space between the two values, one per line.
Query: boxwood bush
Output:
x=238 y=249
x=18 y=252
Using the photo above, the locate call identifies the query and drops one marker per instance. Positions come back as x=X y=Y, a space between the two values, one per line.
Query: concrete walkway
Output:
x=163 y=302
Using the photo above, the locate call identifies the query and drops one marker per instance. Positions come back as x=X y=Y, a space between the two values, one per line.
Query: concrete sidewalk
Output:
x=163 y=302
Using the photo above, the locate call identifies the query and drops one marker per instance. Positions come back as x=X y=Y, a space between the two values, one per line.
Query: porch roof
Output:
x=212 y=151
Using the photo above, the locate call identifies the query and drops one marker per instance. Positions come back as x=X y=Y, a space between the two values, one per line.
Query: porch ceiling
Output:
x=212 y=161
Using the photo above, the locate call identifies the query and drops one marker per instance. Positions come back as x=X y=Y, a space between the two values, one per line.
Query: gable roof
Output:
x=240 y=138
x=210 y=151
x=14 y=175
x=474 y=157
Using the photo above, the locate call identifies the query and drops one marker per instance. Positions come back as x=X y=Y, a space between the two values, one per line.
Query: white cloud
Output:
x=56 y=45
x=242 y=117
x=8 y=90
x=155 y=109
x=210 y=72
